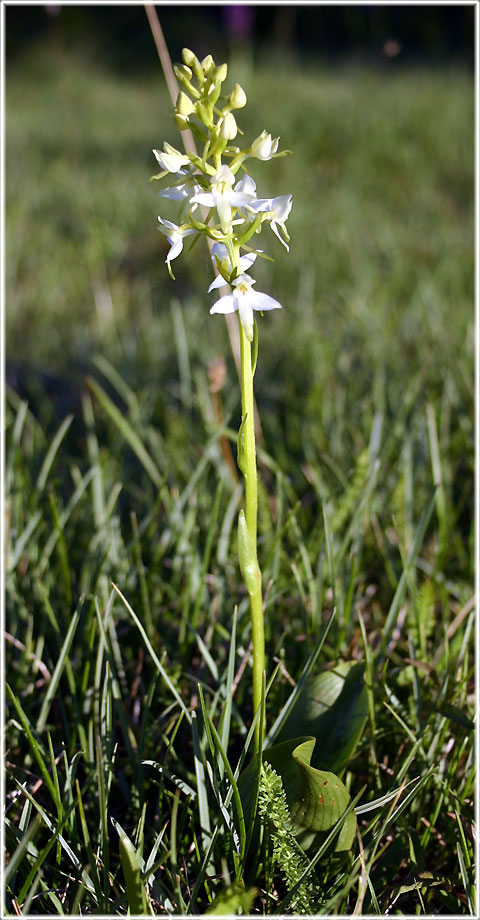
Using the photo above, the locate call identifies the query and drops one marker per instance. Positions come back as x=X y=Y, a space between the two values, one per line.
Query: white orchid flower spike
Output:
x=212 y=198
x=245 y=300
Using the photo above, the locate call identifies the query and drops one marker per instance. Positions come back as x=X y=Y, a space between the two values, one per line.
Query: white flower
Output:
x=277 y=211
x=245 y=301
x=171 y=159
x=263 y=147
x=220 y=252
x=223 y=196
x=175 y=236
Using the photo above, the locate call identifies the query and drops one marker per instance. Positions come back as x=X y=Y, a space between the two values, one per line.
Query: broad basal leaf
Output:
x=316 y=798
x=333 y=708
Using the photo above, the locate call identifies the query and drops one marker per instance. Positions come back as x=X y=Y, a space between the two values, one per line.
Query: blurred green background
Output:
x=376 y=104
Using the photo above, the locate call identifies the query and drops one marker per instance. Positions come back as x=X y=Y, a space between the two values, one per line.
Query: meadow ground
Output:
x=115 y=472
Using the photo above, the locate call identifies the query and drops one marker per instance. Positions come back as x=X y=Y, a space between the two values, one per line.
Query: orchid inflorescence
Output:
x=211 y=200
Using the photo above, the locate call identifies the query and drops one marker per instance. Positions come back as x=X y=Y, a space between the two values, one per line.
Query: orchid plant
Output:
x=214 y=202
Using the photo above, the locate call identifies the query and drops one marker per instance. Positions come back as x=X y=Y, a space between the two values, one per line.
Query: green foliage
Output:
x=118 y=483
x=235 y=900
x=137 y=903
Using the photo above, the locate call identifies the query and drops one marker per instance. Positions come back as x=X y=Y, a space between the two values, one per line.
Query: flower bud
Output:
x=228 y=129
x=208 y=64
x=182 y=73
x=188 y=56
x=203 y=114
x=237 y=97
x=263 y=147
x=191 y=60
x=181 y=122
x=184 y=105
x=171 y=159
x=220 y=73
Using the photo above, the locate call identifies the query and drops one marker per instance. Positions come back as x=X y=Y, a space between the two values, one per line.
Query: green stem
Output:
x=249 y=469
x=251 y=510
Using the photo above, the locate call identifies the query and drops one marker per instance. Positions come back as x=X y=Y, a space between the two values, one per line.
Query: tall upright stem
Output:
x=251 y=511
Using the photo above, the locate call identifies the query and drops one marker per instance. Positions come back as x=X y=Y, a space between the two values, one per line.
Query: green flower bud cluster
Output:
x=290 y=858
x=202 y=81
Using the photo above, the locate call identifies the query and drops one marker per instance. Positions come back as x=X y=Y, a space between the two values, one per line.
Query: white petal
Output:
x=218 y=283
x=224 y=210
x=282 y=207
x=220 y=251
x=227 y=304
x=224 y=174
x=261 y=301
x=275 y=230
x=243 y=281
x=175 y=251
x=261 y=204
x=205 y=198
x=238 y=199
x=246 y=185
x=246 y=315
x=167 y=223
x=177 y=193
x=247 y=260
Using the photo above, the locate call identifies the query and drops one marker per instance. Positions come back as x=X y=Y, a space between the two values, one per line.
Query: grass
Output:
x=129 y=709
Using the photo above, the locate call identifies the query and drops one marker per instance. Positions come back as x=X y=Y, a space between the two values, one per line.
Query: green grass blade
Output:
x=52 y=453
x=227 y=711
x=155 y=659
x=35 y=747
x=132 y=873
x=204 y=811
x=402 y=584
x=51 y=827
x=127 y=431
x=56 y=676
x=236 y=794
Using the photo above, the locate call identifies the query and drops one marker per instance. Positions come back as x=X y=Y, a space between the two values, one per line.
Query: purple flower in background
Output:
x=239 y=21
